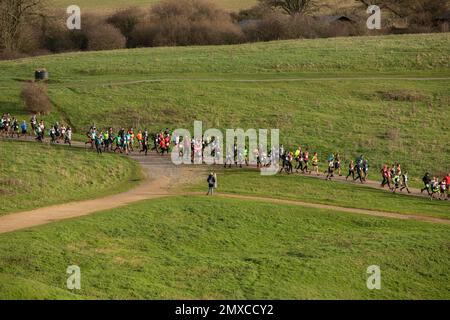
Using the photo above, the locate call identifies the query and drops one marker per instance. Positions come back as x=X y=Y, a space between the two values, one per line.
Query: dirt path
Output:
x=163 y=180
x=162 y=176
x=270 y=80
x=337 y=208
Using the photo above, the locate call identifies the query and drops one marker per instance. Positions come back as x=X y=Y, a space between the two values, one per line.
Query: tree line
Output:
x=31 y=27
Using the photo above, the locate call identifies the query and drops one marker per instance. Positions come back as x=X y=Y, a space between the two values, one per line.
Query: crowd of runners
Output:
x=163 y=142
x=12 y=127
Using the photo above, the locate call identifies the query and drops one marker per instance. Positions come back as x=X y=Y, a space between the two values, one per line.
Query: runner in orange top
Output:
x=139 y=138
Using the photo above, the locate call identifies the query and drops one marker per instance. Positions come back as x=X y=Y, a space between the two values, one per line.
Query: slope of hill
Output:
x=34 y=175
x=199 y=248
x=373 y=95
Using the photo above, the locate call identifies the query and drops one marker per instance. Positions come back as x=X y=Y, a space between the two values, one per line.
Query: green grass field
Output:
x=386 y=119
x=34 y=175
x=199 y=248
x=370 y=95
x=316 y=190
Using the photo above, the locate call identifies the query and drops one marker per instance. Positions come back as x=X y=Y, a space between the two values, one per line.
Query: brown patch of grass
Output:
x=11 y=182
x=393 y=134
x=401 y=95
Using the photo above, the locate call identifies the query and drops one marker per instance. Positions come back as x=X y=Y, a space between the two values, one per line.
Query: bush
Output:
x=186 y=22
x=277 y=26
x=126 y=21
x=36 y=99
x=95 y=34
x=56 y=37
x=104 y=37
x=272 y=26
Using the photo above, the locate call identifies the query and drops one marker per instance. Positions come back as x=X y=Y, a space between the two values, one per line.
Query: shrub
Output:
x=35 y=98
x=56 y=37
x=126 y=21
x=95 y=34
x=104 y=37
x=186 y=22
x=272 y=26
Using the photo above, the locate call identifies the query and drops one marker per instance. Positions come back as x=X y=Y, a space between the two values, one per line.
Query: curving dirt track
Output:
x=161 y=177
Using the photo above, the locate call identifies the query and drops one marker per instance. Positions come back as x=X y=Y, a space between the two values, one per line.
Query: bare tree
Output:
x=13 y=16
x=292 y=7
x=411 y=8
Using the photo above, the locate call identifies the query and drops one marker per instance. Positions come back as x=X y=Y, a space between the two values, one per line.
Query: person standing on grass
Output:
x=211 y=183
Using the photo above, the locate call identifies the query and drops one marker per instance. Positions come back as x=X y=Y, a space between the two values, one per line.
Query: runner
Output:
x=405 y=182
x=23 y=126
x=33 y=122
x=331 y=166
x=337 y=164
x=444 y=186
x=435 y=188
x=447 y=181
x=68 y=136
x=315 y=164
x=299 y=158
x=98 y=143
x=15 y=128
x=351 y=170
x=229 y=158
x=106 y=141
x=139 y=137
x=119 y=144
x=396 y=181
x=365 y=169
x=427 y=183
x=385 y=174
x=306 y=161
x=52 y=134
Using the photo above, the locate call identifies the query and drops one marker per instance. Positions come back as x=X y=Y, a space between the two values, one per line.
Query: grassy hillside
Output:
x=199 y=248
x=34 y=175
x=313 y=190
x=348 y=94
x=111 y=5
